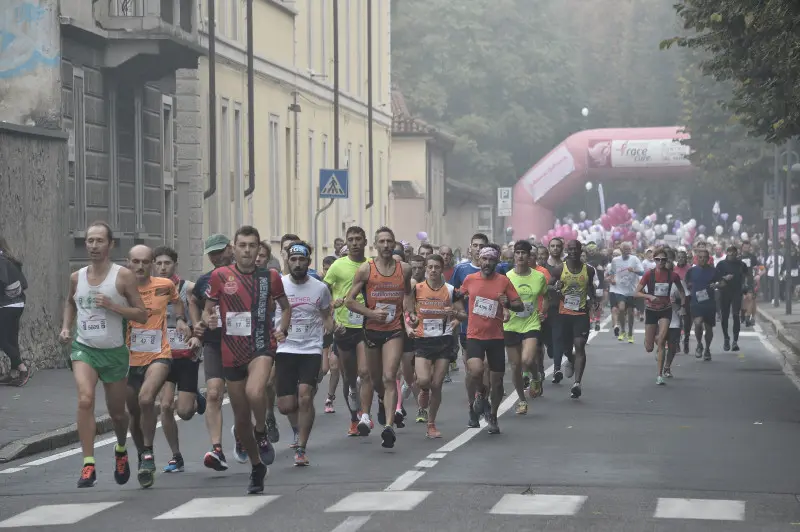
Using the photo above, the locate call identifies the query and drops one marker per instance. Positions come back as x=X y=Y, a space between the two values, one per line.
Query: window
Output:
x=323 y=163
x=359 y=47
x=221 y=13
x=168 y=169
x=310 y=34
x=347 y=57
x=274 y=176
x=312 y=187
x=225 y=174
x=379 y=33
x=323 y=40
x=138 y=160
x=238 y=173
x=234 y=20
x=79 y=140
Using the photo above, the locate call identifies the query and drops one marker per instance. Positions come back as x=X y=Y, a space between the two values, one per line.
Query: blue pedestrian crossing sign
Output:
x=333 y=184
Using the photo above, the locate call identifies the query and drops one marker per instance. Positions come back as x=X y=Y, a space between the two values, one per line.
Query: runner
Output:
x=349 y=343
x=219 y=252
x=658 y=304
x=387 y=288
x=185 y=362
x=101 y=296
x=574 y=284
x=682 y=268
x=425 y=250
x=328 y=353
x=702 y=280
x=409 y=386
x=554 y=265
x=749 y=303
x=151 y=355
x=623 y=274
x=446 y=252
x=298 y=361
x=244 y=293
x=435 y=304
x=491 y=292
x=523 y=329
x=734 y=274
x=676 y=323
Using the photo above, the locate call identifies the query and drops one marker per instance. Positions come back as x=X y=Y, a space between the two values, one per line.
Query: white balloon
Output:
x=702 y=237
x=585 y=111
x=795 y=238
x=711 y=240
x=583 y=215
x=588 y=185
x=744 y=236
x=719 y=230
x=692 y=223
x=679 y=232
x=574 y=227
x=664 y=228
x=736 y=226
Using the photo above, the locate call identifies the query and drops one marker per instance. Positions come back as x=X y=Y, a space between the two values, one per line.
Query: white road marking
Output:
x=515 y=504
x=436 y=456
x=352 y=523
x=57 y=514
x=426 y=463
x=708 y=509
x=743 y=334
x=405 y=480
x=380 y=501
x=218 y=507
x=11 y=470
x=786 y=366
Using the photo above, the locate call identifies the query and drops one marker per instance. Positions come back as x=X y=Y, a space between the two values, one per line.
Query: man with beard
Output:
x=298 y=360
x=219 y=252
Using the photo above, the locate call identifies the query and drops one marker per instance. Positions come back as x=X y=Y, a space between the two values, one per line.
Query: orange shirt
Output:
x=547 y=277
x=385 y=292
x=149 y=341
x=485 y=311
x=431 y=305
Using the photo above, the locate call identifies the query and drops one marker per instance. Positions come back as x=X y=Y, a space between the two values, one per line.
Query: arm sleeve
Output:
x=276 y=289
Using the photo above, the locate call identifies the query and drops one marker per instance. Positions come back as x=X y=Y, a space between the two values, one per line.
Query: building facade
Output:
x=294 y=117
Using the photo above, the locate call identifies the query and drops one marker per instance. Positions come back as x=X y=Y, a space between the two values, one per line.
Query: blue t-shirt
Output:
x=699 y=278
x=200 y=289
x=460 y=273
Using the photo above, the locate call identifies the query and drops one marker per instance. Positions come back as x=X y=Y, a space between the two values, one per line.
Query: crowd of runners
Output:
x=389 y=327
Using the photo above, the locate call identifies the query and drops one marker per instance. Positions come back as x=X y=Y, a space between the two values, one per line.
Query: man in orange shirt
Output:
x=151 y=355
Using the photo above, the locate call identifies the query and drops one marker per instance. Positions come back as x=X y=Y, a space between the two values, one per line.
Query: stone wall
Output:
x=34 y=221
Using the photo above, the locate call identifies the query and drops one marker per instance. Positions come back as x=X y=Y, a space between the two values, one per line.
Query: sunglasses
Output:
x=660 y=259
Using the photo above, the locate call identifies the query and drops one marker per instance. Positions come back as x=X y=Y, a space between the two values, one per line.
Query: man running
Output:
x=623 y=274
x=185 y=365
x=489 y=293
x=435 y=304
x=298 y=360
x=349 y=342
x=244 y=293
x=151 y=355
x=328 y=352
x=522 y=330
x=554 y=265
x=702 y=280
x=101 y=296
x=734 y=272
x=574 y=284
x=750 y=260
x=219 y=252
x=681 y=268
x=386 y=284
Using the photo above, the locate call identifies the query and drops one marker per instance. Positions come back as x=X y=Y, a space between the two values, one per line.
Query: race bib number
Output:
x=599 y=292
x=390 y=309
x=239 y=324
x=145 y=341
x=527 y=312
x=432 y=327
x=484 y=307
x=747 y=262
x=702 y=296
x=176 y=340
x=572 y=302
x=299 y=328
x=94 y=327
x=661 y=290
x=354 y=318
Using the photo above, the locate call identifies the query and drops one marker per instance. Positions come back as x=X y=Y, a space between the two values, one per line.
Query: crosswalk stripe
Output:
x=57 y=514
x=380 y=501
x=708 y=509
x=218 y=507
x=538 y=504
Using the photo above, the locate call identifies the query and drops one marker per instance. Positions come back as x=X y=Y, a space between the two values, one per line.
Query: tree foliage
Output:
x=753 y=46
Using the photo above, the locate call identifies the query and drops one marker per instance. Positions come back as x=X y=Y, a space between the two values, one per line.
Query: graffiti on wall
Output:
x=26 y=37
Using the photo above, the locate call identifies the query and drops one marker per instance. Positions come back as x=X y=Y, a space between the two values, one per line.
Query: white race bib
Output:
x=572 y=302
x=661 y=289
x=389 y=308
x=702 y=295
x=527 y=312
x=93 y=327
x=484 y=307
x=354 y=318
x=176 y=340
x=747 y=262
x=239 y=323
x=299 y=329
x=433 y=327
x=146 y=340
x=599 y=292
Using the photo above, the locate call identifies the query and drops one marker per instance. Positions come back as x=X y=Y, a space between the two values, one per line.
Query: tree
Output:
x=752 y=45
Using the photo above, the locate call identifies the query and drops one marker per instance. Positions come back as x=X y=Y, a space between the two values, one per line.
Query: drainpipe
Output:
x=370 y=163
x=251 y=104
x=212 y=101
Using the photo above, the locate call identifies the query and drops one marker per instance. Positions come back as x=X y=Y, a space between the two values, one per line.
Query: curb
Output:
x=780 y=331
x=54 y=439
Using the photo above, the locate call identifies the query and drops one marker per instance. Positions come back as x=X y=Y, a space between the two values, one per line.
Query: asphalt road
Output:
x=714 y=450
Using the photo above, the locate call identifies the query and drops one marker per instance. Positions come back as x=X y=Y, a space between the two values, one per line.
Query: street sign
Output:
x=504 y=201
x=333 y=184
x=485 y=219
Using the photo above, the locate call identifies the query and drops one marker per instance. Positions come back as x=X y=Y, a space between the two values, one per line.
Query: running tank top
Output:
x=179 y=346
x=385 y=292
x=98 y=327
x=430 y=310
x=575 y=290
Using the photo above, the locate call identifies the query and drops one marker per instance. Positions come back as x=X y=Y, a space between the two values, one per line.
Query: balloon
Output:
x=588 y=185
x=715 y=208
x=702 y=237
x=744 y=236
x=739 y=218
x=718 y=230
x=654 y=217
x=583 y=215
x=702 y=228
x=606 y=221
x=422 y=235
x=795 y=238
x=711 y=240
x=736 y=226
x=724 y=216
x=616 y=235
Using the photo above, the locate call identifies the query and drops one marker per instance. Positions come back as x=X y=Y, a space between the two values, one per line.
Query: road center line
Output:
x=352 y=523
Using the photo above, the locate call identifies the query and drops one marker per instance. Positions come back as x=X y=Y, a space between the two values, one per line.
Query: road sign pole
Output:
x=314 y=231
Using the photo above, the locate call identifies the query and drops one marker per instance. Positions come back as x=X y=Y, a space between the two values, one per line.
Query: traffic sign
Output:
x=504 y=201
x=333 y=184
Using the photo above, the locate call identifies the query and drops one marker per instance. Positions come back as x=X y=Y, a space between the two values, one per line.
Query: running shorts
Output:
x=111 y=365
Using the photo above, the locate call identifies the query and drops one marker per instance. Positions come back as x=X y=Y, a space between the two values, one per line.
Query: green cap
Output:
x=216 y=242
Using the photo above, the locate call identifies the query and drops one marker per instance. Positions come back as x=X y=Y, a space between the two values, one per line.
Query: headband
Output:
x=299 y=249
x=489 y=253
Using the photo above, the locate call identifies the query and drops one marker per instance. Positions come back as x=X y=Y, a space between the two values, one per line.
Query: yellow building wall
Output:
x=298 y=155
x=409 y=160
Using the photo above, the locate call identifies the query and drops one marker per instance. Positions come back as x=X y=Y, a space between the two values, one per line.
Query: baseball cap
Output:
x=216 y=242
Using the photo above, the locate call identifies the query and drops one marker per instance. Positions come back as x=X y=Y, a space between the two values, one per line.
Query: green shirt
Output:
x=529 y=287
x=340 y=278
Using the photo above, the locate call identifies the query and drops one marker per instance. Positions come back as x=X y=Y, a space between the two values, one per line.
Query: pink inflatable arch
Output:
x=594 y=155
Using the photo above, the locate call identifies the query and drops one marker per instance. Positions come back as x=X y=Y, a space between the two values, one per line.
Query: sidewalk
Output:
x=786 y=328
x=41 y=416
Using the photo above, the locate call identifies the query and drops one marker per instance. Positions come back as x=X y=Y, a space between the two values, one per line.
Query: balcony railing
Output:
x=126 y=8
x=174 y=12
